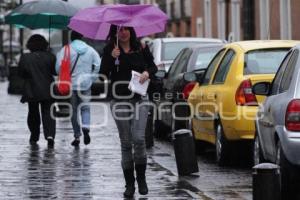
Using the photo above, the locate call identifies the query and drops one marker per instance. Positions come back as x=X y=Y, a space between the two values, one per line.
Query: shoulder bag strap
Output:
x=67 y=52
x=75 y=63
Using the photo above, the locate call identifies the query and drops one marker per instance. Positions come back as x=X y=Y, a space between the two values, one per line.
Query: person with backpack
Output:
x=85 y=66
x=37 y=70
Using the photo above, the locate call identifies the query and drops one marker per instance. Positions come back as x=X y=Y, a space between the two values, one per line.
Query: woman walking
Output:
x=130 y=111
x=37 y=69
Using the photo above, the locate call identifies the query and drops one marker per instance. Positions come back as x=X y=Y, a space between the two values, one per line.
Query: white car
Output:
x=277 y=137
x=165 y=50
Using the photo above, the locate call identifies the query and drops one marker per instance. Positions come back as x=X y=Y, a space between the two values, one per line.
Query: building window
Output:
x=177 y=7
x=172 y=9
x=199 y=26
x=178 y=29
x=207 y=18
x=188 y=28
x=235 y=20
x=264 y=13
x=221 y=19
x=187 y=8
x=285 y=19
x=248 y=22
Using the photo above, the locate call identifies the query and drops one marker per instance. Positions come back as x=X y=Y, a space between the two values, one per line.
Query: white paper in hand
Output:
x=135 y=85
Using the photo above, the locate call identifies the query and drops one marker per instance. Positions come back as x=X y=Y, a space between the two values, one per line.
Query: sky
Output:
x=77 y=3
x=82 y=3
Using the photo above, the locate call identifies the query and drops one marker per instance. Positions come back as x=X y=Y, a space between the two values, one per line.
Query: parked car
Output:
x=171 y=101
x=223 y=103
x=277 y=137
x=165 y=50
x=98 y=87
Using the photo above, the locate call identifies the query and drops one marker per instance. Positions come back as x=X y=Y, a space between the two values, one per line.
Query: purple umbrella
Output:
x=95 y=22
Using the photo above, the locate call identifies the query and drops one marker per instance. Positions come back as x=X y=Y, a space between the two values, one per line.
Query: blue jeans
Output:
x=131 y=119
x=81 y=117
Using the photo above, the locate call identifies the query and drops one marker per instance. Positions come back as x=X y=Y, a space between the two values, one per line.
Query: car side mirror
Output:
x=261 y=88
x=200 y=77
x=160 y=74
x=190 y=76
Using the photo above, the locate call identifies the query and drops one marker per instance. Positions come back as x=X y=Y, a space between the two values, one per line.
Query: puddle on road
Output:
x=162 y=154
x=174 y=185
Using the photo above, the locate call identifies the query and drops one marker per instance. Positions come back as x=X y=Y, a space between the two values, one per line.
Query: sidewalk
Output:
x=90 y=172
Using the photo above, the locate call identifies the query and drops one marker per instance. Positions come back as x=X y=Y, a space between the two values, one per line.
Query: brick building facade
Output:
x=234 y=19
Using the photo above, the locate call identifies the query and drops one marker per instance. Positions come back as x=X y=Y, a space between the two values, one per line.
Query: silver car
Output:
x=165 y=50
x=277 y=137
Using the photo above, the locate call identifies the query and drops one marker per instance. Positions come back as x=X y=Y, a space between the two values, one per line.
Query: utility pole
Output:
x=227 y=8
x=248 y=15
x=65 y=38
x=21 y=35
x=2 y=11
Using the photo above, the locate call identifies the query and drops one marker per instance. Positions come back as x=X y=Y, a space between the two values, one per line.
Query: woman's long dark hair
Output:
x=112 y=39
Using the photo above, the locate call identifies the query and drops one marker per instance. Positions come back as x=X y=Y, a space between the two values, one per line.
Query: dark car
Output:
x=98 y=87
x=171 y=110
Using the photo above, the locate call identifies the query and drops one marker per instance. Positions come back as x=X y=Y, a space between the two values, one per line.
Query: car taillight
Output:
x=244 y=95
x=292 y=116
x=187 y=89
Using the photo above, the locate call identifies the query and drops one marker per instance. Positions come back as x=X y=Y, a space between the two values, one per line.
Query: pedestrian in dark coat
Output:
x=129 y=110
x=37 y=69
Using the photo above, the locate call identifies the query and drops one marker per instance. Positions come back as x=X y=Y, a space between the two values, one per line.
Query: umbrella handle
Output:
x=117 y=62
x=118 y=29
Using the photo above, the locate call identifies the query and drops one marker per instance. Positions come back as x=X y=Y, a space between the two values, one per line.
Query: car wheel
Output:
x=286 y=174
x=180 y=124
x=257 y=152
x=149 y=130
x=200 y=147
x=62 y=111
x=222 y=146
x=159 y=129
x=175 y=125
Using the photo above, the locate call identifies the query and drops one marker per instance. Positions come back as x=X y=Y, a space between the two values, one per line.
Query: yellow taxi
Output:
x=222 y=103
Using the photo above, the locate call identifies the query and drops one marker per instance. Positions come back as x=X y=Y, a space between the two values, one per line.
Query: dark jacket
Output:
x=138 y=60
x=37 y=70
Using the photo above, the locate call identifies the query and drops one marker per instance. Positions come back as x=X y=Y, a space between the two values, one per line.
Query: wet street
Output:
x=94 y=171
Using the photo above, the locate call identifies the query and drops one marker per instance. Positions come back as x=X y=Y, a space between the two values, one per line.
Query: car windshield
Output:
x=265 y=61
x=171 y=49
x=202 y=57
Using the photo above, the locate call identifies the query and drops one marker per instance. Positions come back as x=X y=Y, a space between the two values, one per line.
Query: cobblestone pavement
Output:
x=89 y=172
x=94 y=171
x=213 y=182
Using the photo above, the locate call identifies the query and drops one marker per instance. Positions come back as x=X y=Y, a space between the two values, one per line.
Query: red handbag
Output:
x=64 y=78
